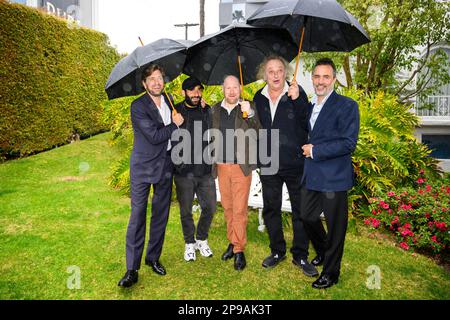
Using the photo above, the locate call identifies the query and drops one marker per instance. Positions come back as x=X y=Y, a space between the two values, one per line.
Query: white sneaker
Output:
x=189 y=252
x=203 y=247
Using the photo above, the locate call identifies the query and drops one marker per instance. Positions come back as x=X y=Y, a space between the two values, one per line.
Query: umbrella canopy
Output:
x=327 y=25
x=214 y=56
x=125 y=78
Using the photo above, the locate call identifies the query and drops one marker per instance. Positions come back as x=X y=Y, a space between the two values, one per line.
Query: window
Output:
x=440 y=144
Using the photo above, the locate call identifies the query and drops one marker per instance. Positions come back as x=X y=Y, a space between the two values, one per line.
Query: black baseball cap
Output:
x=191 y=83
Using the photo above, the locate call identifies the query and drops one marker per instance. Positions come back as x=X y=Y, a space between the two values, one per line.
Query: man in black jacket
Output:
x=282 y=110
x=193 y=174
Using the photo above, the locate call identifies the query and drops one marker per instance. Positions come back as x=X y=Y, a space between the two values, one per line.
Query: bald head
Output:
x=231 y=89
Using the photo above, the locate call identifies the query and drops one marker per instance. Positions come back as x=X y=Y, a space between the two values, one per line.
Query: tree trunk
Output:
x=348 y=74
x=202 y=18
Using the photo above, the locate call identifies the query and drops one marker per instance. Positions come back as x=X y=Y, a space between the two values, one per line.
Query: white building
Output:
x=84 y=12
x=434 y=113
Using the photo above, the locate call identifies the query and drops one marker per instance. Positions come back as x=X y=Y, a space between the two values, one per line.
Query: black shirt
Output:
x=228 y=121
x=196 y=121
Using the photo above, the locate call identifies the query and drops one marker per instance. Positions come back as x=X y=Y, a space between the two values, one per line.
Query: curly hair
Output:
x=261 y=72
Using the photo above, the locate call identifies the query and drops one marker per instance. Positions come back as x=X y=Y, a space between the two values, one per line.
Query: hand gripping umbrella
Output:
x=317 y=25
x=125 y=78
x=236 y=50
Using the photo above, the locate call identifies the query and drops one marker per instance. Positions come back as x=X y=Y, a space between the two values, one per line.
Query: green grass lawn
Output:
x=57 y=211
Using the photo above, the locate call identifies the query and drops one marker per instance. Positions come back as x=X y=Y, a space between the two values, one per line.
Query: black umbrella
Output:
x=317 y=25
x=125 y=78
x=236 y=50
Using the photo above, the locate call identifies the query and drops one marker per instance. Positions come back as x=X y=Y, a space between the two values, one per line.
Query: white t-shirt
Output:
x=165 y=113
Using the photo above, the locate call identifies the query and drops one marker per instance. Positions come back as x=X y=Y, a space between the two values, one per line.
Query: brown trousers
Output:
x=234 y=189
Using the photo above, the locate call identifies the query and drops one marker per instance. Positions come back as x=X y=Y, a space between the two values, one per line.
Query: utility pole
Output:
x=202 y=18
x=186 y=25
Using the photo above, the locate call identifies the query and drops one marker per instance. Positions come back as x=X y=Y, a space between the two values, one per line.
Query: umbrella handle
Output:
x=170 y=102
x=298 y=54
x=244 y=114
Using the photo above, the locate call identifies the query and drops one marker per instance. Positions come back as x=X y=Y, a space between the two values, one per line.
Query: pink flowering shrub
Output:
x=419 y=217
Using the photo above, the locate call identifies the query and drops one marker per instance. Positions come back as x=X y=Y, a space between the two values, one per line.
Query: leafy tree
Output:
x=404 y=36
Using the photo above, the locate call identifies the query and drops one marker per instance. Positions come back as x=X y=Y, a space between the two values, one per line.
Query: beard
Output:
x=191 y=103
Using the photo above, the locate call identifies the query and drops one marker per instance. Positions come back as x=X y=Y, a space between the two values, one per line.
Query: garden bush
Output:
x=418 y=216
x=52 y=80
x=387 y=153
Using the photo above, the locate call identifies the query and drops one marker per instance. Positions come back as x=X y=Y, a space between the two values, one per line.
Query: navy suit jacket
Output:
x=334 y=137
x=151 y=138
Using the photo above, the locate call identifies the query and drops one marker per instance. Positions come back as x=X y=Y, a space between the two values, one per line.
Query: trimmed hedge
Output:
x=52 y=80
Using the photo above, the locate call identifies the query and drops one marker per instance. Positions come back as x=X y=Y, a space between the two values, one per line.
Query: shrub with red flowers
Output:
x=419 y=217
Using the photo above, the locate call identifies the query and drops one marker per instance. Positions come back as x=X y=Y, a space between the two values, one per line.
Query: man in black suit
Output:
x=282 y=109
x=150 y=164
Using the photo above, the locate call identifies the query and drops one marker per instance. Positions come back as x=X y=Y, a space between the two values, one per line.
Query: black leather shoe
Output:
x=272 y=260
x=307 y=268
x=317 y=261
x=130 y=278
x=157 y=267
x=239 y=261
x=325 y=281
x=228 y=254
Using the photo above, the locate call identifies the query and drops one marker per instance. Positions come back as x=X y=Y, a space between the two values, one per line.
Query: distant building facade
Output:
x=434 y=113
x=83 y=12
x=237 y=10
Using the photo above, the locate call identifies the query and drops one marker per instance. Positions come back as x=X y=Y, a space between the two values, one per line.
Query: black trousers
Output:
x=272 y=188
x=335 y=208
x=205 y=188
x=162 y=193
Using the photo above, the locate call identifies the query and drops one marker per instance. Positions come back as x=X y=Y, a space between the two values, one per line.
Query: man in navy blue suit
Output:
x=150 y=164
x=328 y=172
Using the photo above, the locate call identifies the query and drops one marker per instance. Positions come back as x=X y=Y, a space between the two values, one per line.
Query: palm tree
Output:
x=202 y=18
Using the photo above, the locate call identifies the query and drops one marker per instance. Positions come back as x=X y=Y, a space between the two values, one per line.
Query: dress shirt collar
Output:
x=315 y=98
x=265 y=91
x=223 y=105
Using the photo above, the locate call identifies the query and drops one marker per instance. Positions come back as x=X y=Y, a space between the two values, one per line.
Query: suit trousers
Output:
x=234 y=189
x=272 y=188
x=205 y=189
x=162 y=193
x=335 y=208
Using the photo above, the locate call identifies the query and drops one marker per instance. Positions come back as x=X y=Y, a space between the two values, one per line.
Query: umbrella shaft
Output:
x=298 y=55
x=244 y=114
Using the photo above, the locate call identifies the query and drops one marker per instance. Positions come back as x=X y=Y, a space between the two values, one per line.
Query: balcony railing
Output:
x=433 y=106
